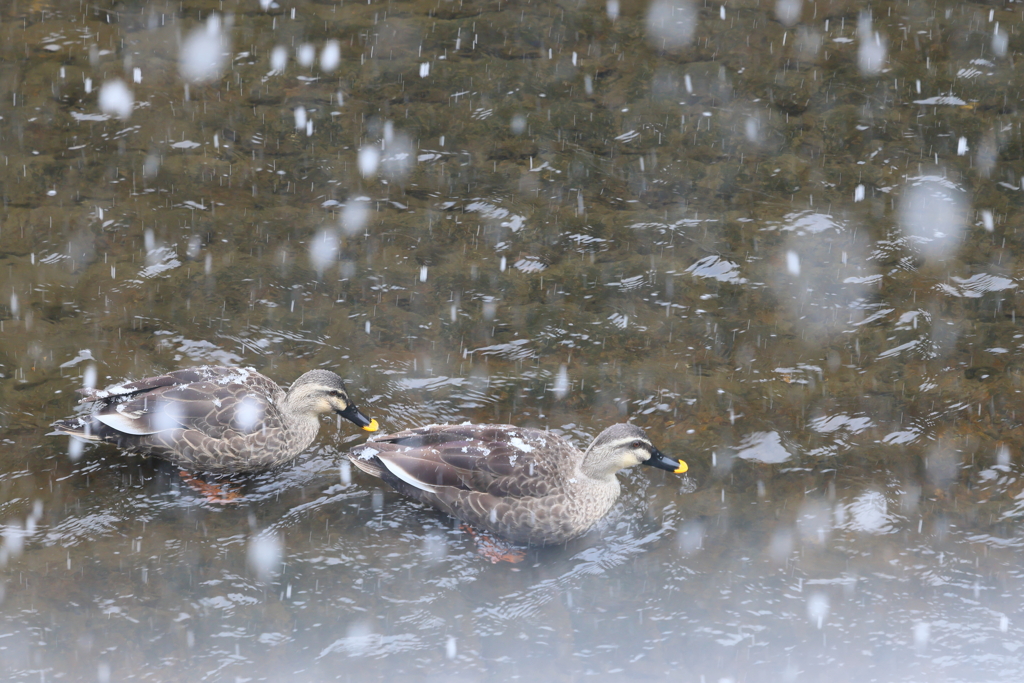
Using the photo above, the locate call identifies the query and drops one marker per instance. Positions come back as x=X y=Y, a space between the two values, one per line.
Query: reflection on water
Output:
x=782 y=238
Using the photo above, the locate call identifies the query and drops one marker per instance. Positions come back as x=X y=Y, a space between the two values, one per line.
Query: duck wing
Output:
x=499 y=460
x=213 y=401
x=196 y=375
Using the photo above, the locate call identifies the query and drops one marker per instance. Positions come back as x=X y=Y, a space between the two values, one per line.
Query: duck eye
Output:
x=637 y=444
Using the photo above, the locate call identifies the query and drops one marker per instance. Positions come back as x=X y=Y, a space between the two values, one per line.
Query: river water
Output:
x=781 y=237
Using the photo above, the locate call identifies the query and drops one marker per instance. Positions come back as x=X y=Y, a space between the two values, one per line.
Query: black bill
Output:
x=663 y=462
x=353 y=415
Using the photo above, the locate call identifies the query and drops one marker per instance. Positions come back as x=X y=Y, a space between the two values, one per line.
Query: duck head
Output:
x=321 y=392
x=625 y=445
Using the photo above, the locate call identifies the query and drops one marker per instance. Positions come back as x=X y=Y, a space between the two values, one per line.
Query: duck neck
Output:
x=596 y=468
x=591 y=493
x=298 y=415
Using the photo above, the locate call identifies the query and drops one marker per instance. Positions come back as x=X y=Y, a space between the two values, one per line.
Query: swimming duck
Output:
x=214 y=419
x=526 y=485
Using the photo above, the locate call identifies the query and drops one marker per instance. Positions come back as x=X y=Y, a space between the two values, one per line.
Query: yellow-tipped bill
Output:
x=373 y=426
x=663 y=462
x=352 y=414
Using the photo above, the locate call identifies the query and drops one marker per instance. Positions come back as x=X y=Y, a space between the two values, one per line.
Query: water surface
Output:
x=780 y=237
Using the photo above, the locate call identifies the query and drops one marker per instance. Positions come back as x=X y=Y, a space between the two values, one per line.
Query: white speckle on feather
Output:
x=520 y=445
x=493 y=516
x=367 y=453
x=512 y=459
x=573 y=480
x=238 y=376
x=216 y=401
x=122 y=408
x=113 y=390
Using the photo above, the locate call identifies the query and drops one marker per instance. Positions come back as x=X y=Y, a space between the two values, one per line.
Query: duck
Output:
x=528 y=486
x=213 y=419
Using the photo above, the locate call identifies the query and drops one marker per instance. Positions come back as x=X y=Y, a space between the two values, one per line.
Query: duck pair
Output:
x=525 y=485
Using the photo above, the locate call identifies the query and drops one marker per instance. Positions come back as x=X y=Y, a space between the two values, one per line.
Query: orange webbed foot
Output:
x=493 y=548
x=213 y=493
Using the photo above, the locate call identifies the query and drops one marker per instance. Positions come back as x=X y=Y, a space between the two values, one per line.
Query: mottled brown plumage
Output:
x=214 y=419
x=526 y=485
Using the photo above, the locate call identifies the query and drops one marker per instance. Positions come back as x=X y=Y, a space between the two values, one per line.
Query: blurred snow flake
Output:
x=817 y=608
x=195 y=245
x=323 y=249
x=561 y=387
x=780 y=547
x=933 y=214
x=330 y=56
x=398 y=154
x=116 y=99
x=151 y=165
x=986 y=220
x=305 y=54
x=278 y=59
x=788 y=11
x=814 y=521
x=369 y=159
x=205 y=51
x=248 y=414
x=354 y=216
x=752 y=129
x=75 y=448
x=168 y=415
x=265 y=555
x=613 y=9
x=922 y=635
x=793 y=263
x=671 y=23
x=1000 y=41
x=89 y=378
x=872 y=52
x=690 y=537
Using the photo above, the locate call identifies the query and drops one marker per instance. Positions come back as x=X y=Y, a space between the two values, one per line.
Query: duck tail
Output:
x=365 y=459
x=76 y=427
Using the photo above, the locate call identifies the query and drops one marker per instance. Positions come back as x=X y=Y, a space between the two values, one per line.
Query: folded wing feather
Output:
x=451 y=457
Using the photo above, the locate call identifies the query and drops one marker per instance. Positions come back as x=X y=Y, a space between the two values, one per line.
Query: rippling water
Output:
x=781 y=237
